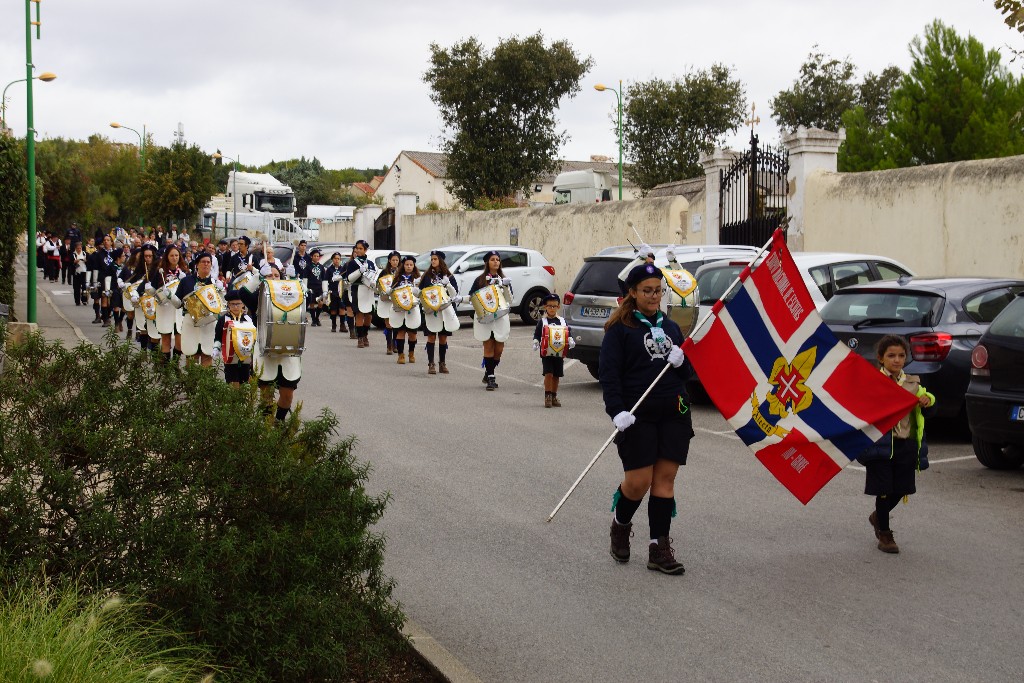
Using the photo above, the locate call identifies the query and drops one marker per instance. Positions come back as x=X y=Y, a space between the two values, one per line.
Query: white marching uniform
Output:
x=364 y=287
x=198 y=338
x=169 y=316
x=269 y=364
x=499 y=328
x=411 y=319
x=445 y=321
x=384 y=305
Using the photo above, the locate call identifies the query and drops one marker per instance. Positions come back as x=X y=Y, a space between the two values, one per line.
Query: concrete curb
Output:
x=78 y=332
x=440 y=659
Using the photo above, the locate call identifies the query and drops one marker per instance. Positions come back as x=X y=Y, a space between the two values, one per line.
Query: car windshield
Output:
x=713 y=283
x=599 y=278
x=865 y=308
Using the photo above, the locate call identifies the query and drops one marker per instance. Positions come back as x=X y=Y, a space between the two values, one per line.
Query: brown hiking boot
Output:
x=431 y=369
x=442 y=368
x=663 y=559
x=412 y=356
x=620 y=540
x=873 y=518
x=554 y=400
x=401 y=359
x=886 y=543
x=547 y=399
x=391 y=348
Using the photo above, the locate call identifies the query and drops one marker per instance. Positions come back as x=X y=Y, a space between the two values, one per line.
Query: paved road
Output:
x=773 y=591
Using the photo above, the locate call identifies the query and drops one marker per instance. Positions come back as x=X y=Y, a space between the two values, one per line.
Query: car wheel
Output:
x=995 y=456
x=593 y=369
x=532 y=307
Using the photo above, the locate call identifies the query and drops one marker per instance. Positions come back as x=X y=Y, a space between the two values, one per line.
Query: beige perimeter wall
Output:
x=564 y=234
x=963 y=218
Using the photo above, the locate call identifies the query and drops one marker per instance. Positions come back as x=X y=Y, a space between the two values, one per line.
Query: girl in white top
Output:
x=444 y=322
x=493 y=331
x=405 y=323
x=168 y=311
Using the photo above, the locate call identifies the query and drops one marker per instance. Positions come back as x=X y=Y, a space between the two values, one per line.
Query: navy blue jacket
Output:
x=630 y=361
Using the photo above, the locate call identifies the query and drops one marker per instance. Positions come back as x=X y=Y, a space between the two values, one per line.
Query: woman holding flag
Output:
x=654 y=439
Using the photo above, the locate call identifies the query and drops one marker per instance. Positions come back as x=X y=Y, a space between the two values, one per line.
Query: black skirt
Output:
x=896 y=476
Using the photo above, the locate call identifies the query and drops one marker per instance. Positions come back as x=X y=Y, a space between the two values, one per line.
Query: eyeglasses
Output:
x=658 y=291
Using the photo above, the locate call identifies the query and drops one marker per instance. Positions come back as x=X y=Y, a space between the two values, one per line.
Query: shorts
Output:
x=237 y=372
x=280 y=381
x=551 y=365
x=896 y=476
x=662 y=431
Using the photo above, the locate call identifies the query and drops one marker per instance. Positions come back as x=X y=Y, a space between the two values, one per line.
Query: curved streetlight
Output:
x=234 y=195
x=46 y=77
x=618 y=94
x=142 y=149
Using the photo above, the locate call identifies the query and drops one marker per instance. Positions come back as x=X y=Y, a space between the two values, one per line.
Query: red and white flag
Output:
x=802 y=401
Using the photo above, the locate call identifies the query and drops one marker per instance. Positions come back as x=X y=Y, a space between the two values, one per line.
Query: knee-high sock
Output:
x=883 y=506
x=659 y=513
x=400 y=345
x=412 y=345
x=624 y=508
x=430 y=352
x=443 y=349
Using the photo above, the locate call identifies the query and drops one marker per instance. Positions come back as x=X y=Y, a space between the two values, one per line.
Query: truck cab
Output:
x=584 y=187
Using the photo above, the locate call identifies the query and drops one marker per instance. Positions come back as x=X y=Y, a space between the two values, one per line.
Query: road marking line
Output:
x=729 y=434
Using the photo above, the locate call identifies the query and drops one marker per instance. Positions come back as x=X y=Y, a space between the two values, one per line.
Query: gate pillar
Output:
x=810 y=150
x=405 y=205
x=719 y=160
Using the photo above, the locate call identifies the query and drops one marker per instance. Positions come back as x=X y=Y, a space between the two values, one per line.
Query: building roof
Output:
x=365 y=188
x=689 y=188
x=435 y=163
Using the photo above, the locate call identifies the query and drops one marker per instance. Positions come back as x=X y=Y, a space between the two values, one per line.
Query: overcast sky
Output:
x=342 y=80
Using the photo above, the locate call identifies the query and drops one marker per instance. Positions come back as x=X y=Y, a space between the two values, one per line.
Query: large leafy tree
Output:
x=498 y=112
x=667 y=125
x=825 y=89
x=65 y=183
x=177 y=183
x=13 y=211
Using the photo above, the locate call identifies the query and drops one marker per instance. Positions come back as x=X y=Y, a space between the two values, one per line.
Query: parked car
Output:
x=995 y=396
x=942 y=318
x=595 y=292
x=380 y=256
x=328 y=248
x=532 y=275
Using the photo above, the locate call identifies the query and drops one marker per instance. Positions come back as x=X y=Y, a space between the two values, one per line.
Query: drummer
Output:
x=124 y=278
x=112 y=281
x=551 y=366
x=198 y=340
x=405 y=323
x=444 y=322
x=361 y=275
x=317 y=284
x=384 y=305
x=238 y=368
x=145 y=266
x=276 y=370
x=347 y=314
x=494 y=332
x=333 y=274
x=168 y=310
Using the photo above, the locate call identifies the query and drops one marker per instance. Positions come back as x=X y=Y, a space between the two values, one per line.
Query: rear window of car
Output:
x=910 y=308
x=713 y=283
x=1010 y=323
x=984 y=307
x=598 y=278
x=284 y=253
x=514 y=259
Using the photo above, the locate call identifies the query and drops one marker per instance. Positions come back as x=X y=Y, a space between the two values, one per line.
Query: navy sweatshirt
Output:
x=630 y=361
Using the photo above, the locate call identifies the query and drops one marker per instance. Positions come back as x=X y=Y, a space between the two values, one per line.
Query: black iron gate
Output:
x=384 y=230
x=752 y=200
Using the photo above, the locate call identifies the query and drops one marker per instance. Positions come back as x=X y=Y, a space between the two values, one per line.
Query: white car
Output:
x=380 y=256
x=532 y=275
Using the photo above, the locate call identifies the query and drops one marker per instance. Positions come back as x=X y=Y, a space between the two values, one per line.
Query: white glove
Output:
x=415 y=291
x=645 y=249
x=670 y=252
x=150 y=288
x=289 y=270
x=335 y=277
x=624 y=420
x=134 y=297
x=216 y=349
x=505 y=281
x=120 y=283
x=536 y=345
x=219 y=285
x=175 y=301
x=675 y=356
x=572 y=343
x=456 y=300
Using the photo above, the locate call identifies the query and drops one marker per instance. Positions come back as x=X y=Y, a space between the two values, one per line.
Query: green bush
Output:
x=56 y=634
x=170 y=485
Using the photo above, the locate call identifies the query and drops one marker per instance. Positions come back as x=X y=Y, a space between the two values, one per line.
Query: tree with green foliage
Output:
x=13 y=211
x=498 y=112
x=818 y=98
x=178 y=182
x=65 y=185
x=667 y=125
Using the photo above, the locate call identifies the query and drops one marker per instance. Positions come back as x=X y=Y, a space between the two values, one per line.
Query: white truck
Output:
x=253 y=203
x=585 y=187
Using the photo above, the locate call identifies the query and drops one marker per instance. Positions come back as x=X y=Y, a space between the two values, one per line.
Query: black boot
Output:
x=663 y=559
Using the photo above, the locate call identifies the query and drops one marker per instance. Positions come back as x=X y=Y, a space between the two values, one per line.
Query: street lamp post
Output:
x=30 y=161
x=234 y=195
x=46 y=77
x=618 y=94
x=142 y=151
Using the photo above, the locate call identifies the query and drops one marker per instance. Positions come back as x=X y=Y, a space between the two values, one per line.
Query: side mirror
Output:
x=458 y=269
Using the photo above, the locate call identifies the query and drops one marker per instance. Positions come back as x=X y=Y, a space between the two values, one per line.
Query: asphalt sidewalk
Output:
x=55 y=325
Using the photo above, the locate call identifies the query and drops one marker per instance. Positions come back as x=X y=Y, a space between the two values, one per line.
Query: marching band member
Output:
x=405 y=323
x=104 y=257
x=112 y=291
x=317 y=284
x=124 y=278
x=347 y=314
x=654 y=440
x=67 y=262
x=168 y=310
x=384 y=306
x=81 y=274
x=334 y=275
x=361 y=274
x=444 y=322
x=493 y=333
x=198 y=340
x=238 y=369
x=145 y=267
x=551 y=366
x=302 y=261
x=276 y=370
x=51 y=250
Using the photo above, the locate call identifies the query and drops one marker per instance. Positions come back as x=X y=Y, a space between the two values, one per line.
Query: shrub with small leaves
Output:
x=168 y=484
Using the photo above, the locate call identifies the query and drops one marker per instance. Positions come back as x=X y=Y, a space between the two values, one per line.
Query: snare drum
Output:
x=490 y=303
x=435 y=298
x=238 y=343
x=554 y=341
x=282 y=314
x=147 y=302
x=384 y=284
x=204 y=305
x=403 y=298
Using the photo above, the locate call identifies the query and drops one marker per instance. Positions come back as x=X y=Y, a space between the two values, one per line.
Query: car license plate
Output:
x=1017 y=414
x=595 y=311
